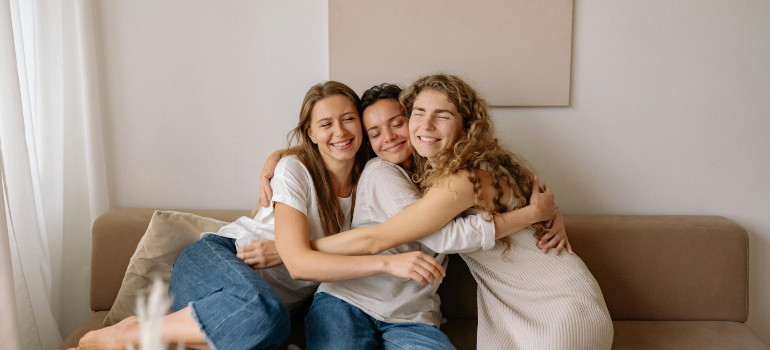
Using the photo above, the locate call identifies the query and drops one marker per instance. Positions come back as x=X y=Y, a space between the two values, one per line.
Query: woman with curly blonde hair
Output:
x=526 y=300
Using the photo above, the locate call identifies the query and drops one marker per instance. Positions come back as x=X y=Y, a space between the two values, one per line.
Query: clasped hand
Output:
x=544 y=205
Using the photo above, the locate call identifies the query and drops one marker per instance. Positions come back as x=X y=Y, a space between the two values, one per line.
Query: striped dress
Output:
x=531 y=300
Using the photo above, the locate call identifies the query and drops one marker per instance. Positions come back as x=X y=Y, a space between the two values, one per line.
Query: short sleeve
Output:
x=292 y=184
x=388 y=189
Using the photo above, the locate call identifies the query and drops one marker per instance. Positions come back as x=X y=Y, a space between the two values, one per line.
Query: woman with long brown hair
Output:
x=219 y=301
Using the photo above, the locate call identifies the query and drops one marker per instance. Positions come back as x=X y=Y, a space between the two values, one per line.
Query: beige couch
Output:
x=670 y=282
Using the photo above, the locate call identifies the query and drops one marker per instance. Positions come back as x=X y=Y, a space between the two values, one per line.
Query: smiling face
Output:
x=336 y=128
x=388 y=131
x=435 y=124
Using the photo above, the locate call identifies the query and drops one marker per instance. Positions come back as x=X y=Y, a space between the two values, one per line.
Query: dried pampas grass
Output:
x=150 y=311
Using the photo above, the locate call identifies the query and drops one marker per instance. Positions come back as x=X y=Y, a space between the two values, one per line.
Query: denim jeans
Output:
x=334 y=324
x=234 y=307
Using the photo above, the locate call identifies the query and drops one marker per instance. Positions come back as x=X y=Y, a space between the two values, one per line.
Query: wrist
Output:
x=531 y=214
x=383 y=264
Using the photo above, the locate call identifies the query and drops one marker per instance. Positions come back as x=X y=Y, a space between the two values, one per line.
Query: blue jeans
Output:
x=334 y=324
x=234 y=307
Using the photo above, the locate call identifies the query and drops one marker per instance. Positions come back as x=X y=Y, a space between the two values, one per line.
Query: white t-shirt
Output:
x=384 y=189
x=293 y=186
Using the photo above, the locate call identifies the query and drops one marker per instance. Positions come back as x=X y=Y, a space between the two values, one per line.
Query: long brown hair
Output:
x=329 y=209
x=477 y=147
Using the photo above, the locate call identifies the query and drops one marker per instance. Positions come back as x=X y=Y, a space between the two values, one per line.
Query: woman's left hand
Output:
x=260 y=254
x=556 y=237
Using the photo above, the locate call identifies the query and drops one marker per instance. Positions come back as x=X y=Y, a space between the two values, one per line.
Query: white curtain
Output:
x=53 y=172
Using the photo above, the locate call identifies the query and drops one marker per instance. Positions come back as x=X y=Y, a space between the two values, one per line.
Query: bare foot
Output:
x=112 y=338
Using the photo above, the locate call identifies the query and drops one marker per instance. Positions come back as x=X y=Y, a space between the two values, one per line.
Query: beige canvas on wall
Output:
x=516 y=52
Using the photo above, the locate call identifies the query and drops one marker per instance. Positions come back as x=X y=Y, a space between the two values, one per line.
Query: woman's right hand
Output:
x=542 y=203
x=418 y=266
x=259 y=254
x=265 y=191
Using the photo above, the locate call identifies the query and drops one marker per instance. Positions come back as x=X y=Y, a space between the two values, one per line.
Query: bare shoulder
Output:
x=488 y=190
x=457 y=182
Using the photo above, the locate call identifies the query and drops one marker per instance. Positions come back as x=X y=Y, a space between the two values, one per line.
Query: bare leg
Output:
x=180 y=327
x=177 y=327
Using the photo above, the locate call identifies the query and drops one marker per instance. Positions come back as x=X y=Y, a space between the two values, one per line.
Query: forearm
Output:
x=278 y=154
x=513 y=221
x=293 y=244
x=418 y=221
x=353 y=242
x=322 y=267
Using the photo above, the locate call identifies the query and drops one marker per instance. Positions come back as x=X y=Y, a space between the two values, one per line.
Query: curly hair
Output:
x=476 y=149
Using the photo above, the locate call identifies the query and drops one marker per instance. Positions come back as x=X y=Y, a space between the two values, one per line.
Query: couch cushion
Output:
x=701 y=335
x=116 y=235
x=665 y=267
x=168 y=234
x=461 y=332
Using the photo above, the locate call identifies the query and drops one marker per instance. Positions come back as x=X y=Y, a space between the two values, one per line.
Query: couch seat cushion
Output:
x=700 y=335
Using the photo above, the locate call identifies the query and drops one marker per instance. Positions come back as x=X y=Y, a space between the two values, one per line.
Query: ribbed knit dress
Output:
x=531 y=300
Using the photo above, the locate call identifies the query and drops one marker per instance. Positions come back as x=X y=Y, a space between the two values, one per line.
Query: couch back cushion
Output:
x=116 y=235
x=677 y=267
x=648 y=267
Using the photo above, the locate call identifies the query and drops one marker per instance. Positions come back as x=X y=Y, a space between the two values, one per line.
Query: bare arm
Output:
x=292 y=239
x=440 y=205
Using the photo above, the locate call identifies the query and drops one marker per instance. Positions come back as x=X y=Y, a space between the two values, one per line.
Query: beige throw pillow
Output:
x=167 y=236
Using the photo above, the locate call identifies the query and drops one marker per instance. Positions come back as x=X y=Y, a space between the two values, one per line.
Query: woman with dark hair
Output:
x=219 y=301
x=382 y=310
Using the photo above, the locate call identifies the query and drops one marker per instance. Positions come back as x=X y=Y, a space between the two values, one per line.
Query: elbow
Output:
x=301 y=272
x=297 y=272
x=377 y=246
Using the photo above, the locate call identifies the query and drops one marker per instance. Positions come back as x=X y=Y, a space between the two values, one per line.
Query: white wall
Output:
x=670 y=114
x=196 y=94
x=669 y=110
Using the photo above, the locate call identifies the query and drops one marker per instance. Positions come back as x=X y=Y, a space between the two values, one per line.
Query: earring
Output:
x=314 y=141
